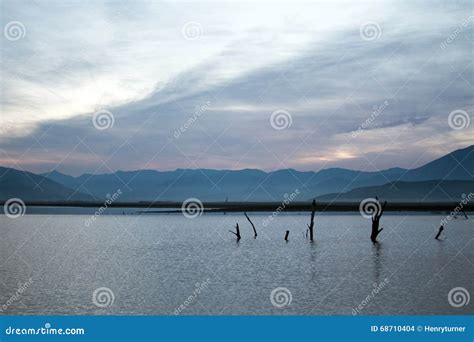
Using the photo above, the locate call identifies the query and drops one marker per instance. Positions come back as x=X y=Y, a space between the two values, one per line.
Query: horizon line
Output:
x=236 y=170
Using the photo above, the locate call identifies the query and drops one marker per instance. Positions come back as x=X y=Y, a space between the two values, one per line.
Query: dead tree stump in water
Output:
x=311 y=225
x=376 y=223
x=237 y=232
x=441 y=228
x=286 y=235
x=254 y=230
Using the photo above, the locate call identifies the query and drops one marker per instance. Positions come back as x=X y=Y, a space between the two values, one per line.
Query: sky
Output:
x=101 y=86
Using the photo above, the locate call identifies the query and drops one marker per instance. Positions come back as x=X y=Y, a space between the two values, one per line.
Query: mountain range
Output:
x=444 y=179
x=32 y=187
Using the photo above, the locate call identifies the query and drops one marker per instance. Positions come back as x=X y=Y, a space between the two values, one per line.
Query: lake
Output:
x=168 y=264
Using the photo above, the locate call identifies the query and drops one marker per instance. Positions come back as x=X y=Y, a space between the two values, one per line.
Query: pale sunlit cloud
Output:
x=151 y=64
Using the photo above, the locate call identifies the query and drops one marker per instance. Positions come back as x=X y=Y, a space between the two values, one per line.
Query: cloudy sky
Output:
x=92 y=86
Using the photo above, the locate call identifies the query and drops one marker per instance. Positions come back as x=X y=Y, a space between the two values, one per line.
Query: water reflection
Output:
x=377 y=259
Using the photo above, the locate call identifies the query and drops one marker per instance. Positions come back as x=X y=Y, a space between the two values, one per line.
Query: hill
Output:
x=255 y=185
x=426 y=191
x=32 y=187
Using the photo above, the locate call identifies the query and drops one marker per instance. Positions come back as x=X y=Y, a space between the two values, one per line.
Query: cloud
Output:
x=134 y=62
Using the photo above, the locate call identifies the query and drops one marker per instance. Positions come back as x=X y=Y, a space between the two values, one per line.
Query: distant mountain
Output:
x=257 y=185
x=426 y=191
x=456 y=165
x=31 y=187
x=443 y=179
x=219 y=185
x=61 y=178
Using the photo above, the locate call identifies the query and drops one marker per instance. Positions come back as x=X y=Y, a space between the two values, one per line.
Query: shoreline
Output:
x=216 y=207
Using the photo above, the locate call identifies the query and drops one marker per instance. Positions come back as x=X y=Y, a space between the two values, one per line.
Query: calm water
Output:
x=166 y=264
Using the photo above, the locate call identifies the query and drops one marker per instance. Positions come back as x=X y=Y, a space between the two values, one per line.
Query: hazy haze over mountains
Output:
x=445 y=178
